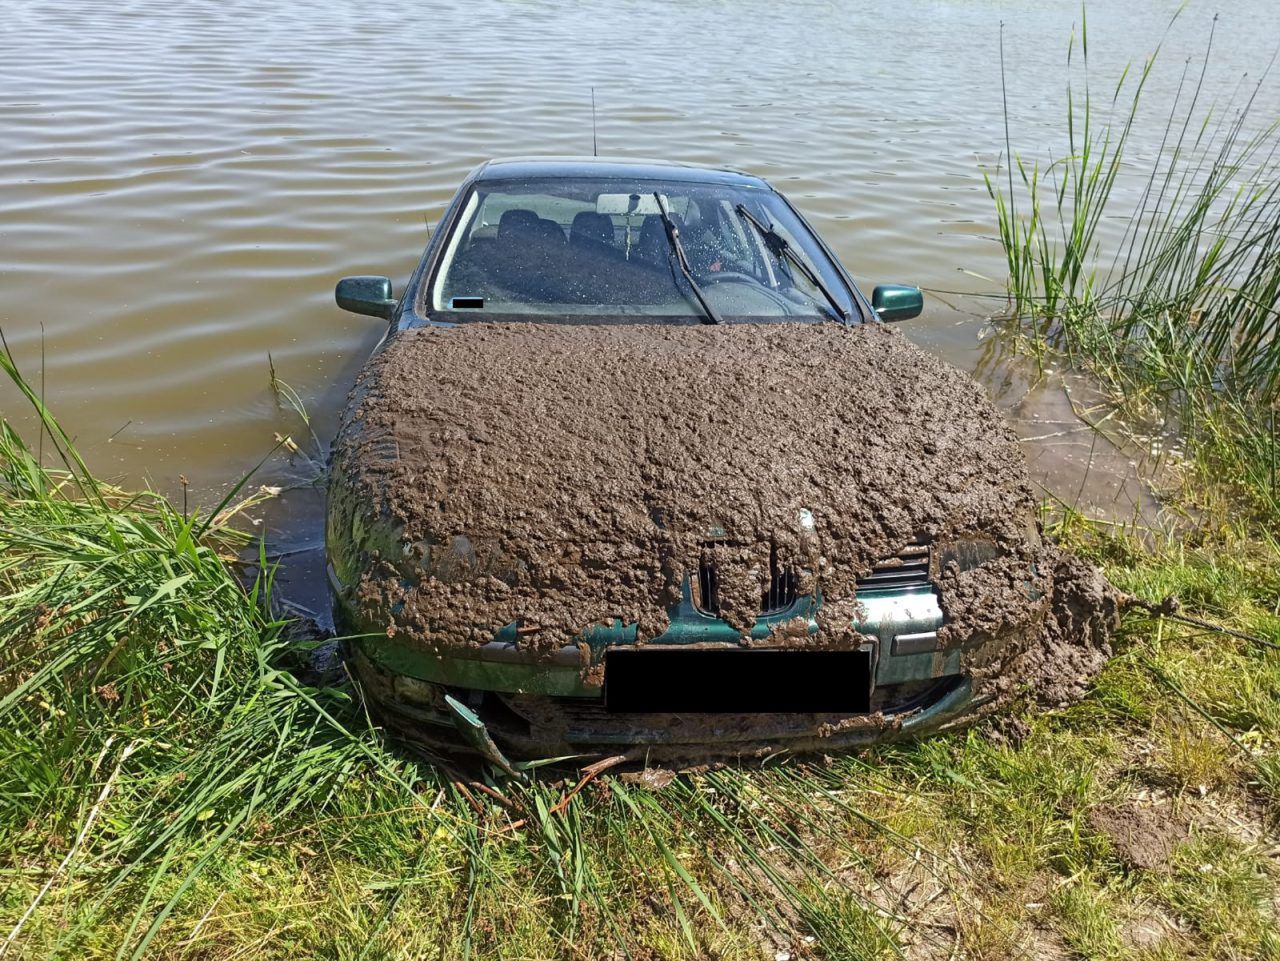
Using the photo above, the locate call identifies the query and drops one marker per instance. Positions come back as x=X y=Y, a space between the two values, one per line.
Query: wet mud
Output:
x=564 y=476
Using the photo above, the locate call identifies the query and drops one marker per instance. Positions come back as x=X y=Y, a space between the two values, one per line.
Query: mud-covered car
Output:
x=640 y=469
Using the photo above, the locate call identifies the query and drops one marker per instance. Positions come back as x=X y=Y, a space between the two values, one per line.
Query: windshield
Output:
x=588 y=250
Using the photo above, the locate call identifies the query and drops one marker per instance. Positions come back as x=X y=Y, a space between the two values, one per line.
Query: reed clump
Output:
x=1165 y=286
x=145 y=724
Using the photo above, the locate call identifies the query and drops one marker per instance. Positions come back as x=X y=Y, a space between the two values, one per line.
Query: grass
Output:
x=171 y=790
x=1177 y=314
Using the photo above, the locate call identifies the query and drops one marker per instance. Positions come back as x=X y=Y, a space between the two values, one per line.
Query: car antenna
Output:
x=593 y=123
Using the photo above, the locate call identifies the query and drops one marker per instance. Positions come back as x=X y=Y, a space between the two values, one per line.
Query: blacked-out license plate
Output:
x=681 y=681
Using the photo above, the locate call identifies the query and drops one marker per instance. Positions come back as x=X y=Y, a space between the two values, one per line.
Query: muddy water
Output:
x=181 y=184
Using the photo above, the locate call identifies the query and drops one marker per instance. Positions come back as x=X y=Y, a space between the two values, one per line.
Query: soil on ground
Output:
x=1142 y=837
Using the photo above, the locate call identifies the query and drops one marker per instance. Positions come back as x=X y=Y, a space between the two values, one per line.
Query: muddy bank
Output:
x=559 y=477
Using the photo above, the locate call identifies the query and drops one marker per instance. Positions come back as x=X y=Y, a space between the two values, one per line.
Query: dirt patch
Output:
x=1142 y=837
x=1151 y=930
x=564 y=476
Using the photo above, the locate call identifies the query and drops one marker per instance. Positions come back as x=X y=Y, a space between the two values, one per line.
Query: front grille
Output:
x=783 y=587
x=909 y=568
x=707 y=596
x=781 y=591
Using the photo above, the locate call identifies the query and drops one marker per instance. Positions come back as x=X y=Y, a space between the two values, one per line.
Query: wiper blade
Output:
x=673 y=238
x=779 y=247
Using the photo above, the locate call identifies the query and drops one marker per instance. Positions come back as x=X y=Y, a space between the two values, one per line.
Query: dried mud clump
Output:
x=1142 y=837
x=562 y=476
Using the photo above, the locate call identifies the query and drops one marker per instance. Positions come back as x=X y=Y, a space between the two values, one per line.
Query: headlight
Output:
x=968 y=553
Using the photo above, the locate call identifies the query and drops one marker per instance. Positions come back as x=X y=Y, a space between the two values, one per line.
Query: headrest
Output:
x=591 y=227
x=518 y=222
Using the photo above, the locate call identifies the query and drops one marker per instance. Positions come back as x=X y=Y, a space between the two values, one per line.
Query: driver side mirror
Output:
x=366 y=295
x=896 y=302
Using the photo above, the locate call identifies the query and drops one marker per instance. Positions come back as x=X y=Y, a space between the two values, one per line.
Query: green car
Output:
x=601 y=244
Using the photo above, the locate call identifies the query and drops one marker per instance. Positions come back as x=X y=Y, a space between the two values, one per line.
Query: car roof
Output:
x=521 y=168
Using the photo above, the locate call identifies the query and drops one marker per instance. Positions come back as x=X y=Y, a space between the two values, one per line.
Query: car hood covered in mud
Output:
x=557 y=477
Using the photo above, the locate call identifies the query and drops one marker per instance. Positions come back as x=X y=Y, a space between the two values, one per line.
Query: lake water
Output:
x=182 y=183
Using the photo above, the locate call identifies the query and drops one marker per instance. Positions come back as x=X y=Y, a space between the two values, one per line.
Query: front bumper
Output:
x=900 y=627
x=547 y=705
x=539 y=726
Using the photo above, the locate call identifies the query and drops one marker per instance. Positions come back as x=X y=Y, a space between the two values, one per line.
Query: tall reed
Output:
x=142 y=714
x=1178 y=315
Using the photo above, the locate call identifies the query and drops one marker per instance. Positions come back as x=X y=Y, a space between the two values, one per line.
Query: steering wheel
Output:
x=729 y=276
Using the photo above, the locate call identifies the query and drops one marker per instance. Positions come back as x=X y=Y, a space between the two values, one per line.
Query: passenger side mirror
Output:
x=895 y=302
x=366 y=295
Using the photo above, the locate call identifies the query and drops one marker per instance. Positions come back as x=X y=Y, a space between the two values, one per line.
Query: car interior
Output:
x=601 y=259
x=558 y=255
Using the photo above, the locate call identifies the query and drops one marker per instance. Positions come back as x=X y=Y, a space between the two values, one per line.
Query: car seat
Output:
x=517 y=226
x=549 y=232
x=589 y=227
x=652 y=246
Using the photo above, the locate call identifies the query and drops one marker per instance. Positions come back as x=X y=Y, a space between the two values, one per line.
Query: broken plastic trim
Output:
x=477 y=737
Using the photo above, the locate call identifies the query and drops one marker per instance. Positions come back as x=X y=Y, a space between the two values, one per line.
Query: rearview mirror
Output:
x=366 y=295
x=628 y=204
x=895 y=302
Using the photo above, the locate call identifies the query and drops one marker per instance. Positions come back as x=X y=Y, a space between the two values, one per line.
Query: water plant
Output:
x=1172 y=300
x=142 y=715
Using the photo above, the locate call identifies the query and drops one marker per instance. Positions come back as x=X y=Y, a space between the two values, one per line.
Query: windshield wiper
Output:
x=779 y=247
x=673 y=238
